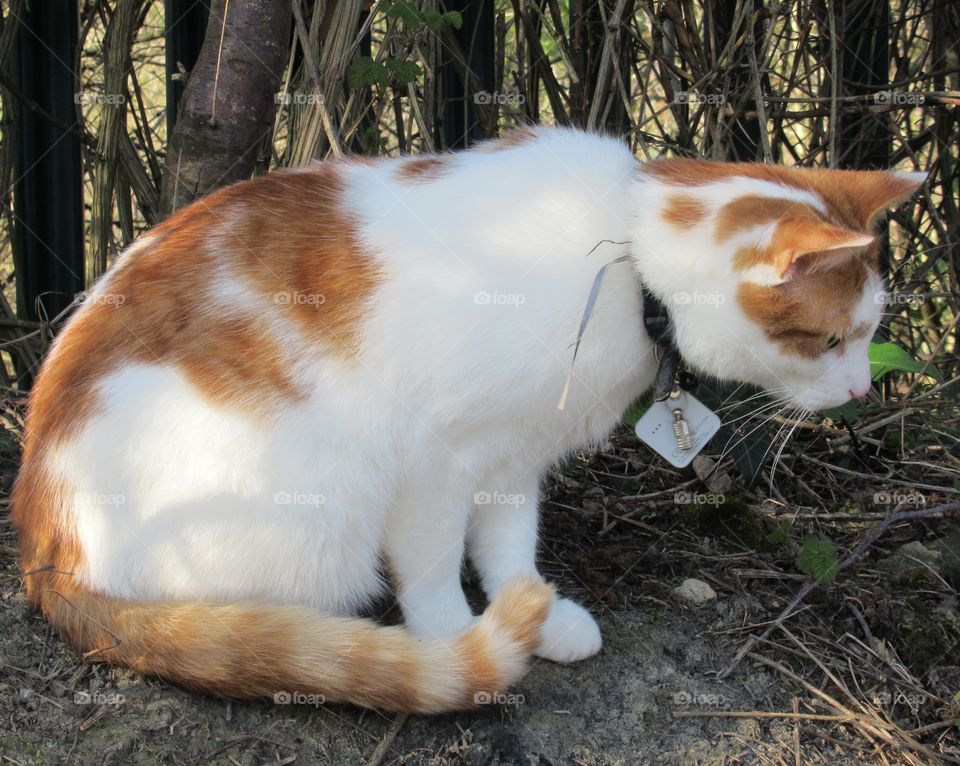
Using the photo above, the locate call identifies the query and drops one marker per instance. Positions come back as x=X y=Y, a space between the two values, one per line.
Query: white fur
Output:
x=440 y=430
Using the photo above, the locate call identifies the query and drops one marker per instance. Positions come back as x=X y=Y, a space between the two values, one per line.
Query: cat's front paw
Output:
x=569 y=634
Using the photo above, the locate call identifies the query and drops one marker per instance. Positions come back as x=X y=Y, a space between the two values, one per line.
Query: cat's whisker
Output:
x=776 y=436
x=732 y=394
x=798 y=419
x=730 y=446
x=772 y=392
x=757 y=411
x=772 y=397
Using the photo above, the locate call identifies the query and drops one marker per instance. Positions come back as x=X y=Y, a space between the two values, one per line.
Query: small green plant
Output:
x=367 y=71
x=818 y=558
x=413 y=17
x=780 y=533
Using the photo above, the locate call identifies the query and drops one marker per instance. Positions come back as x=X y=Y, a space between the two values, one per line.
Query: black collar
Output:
x=657 y=323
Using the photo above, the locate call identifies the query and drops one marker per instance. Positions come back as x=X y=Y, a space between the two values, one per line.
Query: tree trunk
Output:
x=229 y=100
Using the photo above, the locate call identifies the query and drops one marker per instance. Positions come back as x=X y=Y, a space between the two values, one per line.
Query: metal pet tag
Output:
x=678 y=428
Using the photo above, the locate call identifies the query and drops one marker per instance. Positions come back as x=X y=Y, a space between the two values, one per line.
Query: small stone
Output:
x=158 y=715
x=695 y=592
x=706 y=469
x=24 y=695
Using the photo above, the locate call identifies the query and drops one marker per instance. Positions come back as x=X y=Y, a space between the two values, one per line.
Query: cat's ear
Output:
x=872 y=192
x=800 y=246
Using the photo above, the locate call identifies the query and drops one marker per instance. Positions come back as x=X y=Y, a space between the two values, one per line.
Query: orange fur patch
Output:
x=750 y=211
x=801 y=315
x=306 y=246
x=423 y=169
x=49 y=554
x=285 y=234
x=684 y=211
x=519 y=613
x=517 y=137
x=403 y=689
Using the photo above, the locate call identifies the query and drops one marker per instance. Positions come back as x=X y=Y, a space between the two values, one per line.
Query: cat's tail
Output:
x=295 y=654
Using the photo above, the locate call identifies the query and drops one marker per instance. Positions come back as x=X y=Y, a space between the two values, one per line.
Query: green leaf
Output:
x=889 y=357
x=365 y=71
x=818 y=558
x=849 y=412
x=436 y=20
x=400 y=9
x=403 y=71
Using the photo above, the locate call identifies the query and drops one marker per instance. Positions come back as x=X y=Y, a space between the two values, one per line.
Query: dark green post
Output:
x=47 y=192
x=476 y=38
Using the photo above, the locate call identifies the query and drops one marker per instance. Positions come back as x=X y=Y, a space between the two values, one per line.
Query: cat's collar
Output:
x=657 y=323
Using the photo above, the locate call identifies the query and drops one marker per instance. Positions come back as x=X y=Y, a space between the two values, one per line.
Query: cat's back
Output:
x=240 y=292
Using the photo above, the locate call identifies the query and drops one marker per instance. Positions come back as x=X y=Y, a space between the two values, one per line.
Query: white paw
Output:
x=569 y=634
x=439 y=620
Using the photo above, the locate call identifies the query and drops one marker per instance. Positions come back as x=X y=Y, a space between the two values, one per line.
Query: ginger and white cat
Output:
x=309 y=379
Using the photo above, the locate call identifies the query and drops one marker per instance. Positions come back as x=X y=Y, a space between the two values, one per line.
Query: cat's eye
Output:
x=833 y=341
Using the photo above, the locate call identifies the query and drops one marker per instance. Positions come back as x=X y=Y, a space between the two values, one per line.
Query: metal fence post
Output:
x=47 y=193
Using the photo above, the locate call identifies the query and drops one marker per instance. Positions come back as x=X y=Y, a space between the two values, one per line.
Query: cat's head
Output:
x=770 y=274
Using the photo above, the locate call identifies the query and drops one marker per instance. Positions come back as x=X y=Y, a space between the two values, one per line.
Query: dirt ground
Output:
x=843 y=682
x=616 y=708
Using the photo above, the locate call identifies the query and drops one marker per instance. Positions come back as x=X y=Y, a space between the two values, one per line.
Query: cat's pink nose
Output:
x=859 y=393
